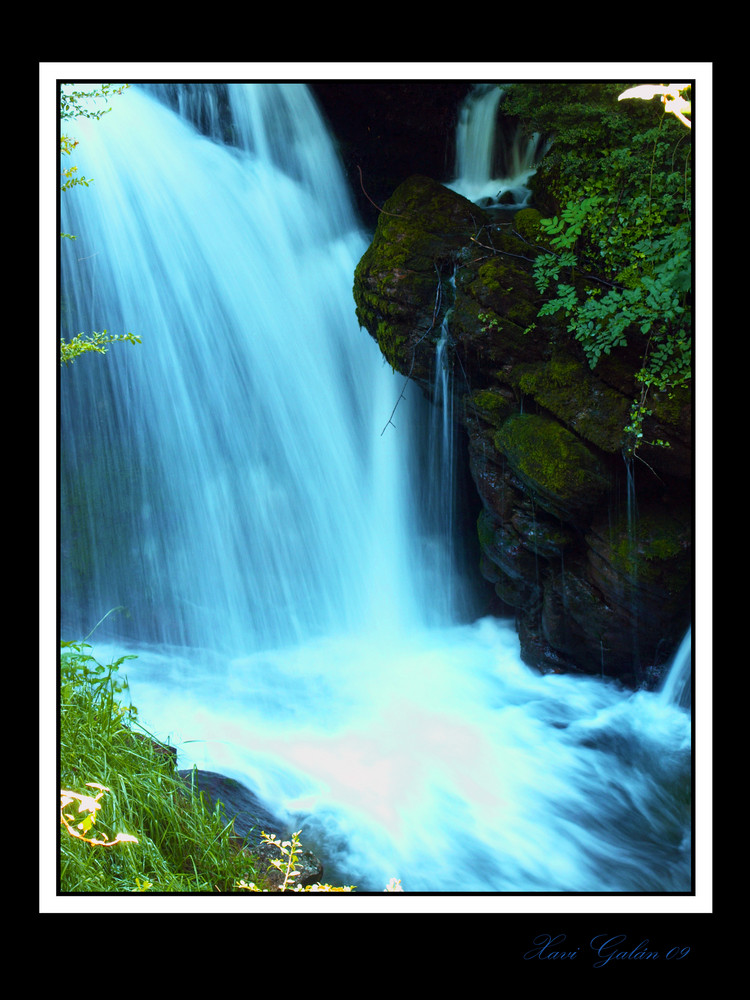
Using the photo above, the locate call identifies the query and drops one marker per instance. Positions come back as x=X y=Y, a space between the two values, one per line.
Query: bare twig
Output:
x=390 y=419
x=362 y=185
x=435 y=311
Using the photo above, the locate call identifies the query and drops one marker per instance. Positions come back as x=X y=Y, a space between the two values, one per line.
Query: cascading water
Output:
x=490 y=172
x=676 y=688
x=228 y=486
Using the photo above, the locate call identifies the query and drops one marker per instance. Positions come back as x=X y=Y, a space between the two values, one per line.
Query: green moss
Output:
x=490 y=404
x=560 y=471
x=504 y=288
x=391 y=344
x=645 y=548
x=490 y=275
x=669 y=406
x=566 y=387
x=422 y=229
x=562 y=371
x=421 y=225
x=526 y=223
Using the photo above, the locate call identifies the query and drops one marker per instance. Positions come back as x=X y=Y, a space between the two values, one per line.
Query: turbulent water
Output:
x=280 y=544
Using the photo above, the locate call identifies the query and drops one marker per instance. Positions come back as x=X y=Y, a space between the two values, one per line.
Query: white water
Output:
x=485 y=174
x=677 y=686
x=228 y=483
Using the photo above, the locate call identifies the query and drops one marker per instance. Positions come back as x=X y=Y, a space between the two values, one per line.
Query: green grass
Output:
x=179 y=845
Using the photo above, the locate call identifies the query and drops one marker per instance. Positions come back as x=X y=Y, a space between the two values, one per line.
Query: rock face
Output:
x=236 y=803
x=591 y=550
x=250 y=819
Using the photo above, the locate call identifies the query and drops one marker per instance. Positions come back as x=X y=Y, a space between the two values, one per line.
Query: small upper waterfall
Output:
x=285 y=570
x=492 y=168
x=677 y=686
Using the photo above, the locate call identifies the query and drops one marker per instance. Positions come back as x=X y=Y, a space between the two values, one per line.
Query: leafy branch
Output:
x=75 y=104
x=85 y=343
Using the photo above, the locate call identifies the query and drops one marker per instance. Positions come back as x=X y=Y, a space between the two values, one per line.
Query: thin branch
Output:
x=362 y=185
x=390 y=419
x=435 y=311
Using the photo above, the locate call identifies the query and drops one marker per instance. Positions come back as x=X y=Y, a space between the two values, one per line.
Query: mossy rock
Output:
x=425 y=215
x=494 y=320
x=673 y=407
x=566 y=387
x=650 y=548
x=489 y=405
x=526 y=223
x=561 y=473
x=423 y=230
x=504 y=291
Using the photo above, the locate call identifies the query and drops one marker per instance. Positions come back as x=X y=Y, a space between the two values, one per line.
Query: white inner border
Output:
x=637 y=72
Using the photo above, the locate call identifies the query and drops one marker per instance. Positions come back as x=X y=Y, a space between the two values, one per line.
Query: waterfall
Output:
x=225 y=479
x=677 y=686
x=441 y=468
x=442 y=558
x=492 y=169
x=282 y=566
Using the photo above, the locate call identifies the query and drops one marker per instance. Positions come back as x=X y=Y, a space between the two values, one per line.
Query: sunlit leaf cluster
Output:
x=84 y=343
x=88 y=806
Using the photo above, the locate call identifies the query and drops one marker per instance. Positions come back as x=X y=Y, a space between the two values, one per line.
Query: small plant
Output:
x=84 y=343
x=490 y=323
x=286 y=866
